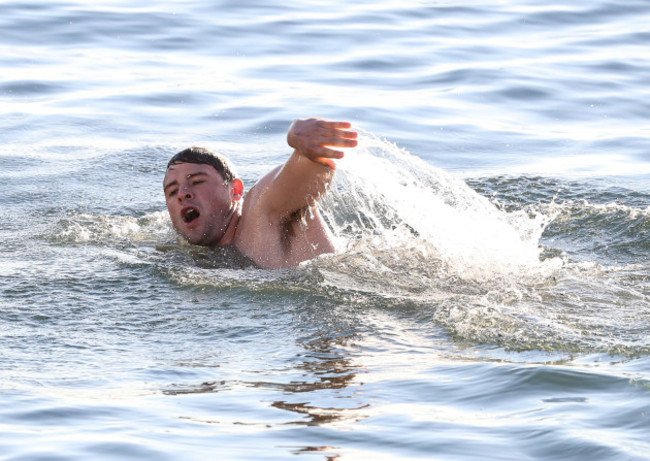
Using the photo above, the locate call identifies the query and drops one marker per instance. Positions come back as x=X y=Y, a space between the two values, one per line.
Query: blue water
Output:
x=491 y=299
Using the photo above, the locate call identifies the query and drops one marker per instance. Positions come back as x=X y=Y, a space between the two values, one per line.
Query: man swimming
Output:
x=205 y=199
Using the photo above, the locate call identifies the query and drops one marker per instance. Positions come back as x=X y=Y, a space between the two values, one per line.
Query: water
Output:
x=491 y=298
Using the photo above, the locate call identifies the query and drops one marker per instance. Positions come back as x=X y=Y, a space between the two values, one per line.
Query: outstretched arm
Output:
x=309 y=170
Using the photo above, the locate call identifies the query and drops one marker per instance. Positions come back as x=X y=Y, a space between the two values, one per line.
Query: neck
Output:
x=230 y=234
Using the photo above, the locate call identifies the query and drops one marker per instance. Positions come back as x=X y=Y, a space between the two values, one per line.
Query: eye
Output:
x=172 y=192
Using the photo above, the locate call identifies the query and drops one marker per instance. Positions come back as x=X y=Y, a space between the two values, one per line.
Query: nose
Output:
x=185 y=194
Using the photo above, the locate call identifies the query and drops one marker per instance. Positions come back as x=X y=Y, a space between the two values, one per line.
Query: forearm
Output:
x=299 y=183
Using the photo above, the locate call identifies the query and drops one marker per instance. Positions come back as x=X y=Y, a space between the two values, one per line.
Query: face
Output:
x=200 y=204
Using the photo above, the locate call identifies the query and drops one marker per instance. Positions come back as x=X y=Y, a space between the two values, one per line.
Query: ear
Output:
x=236 y=189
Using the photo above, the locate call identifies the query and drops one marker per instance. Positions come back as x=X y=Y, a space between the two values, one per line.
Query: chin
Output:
x=202 y=240
x=196 y=241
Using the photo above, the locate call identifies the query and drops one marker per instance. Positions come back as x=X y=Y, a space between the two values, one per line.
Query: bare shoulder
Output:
x=256 y=206
x=259 y=231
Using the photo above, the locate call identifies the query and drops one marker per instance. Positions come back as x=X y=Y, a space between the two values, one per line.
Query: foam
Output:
x=391 y=201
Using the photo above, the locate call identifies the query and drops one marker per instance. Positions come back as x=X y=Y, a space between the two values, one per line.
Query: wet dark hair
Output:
x=204 y=156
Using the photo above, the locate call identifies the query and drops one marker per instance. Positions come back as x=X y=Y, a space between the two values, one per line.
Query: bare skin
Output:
x=266 y=227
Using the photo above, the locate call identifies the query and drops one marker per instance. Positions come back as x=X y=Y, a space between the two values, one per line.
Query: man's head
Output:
x=203 y=195
x=200 y=155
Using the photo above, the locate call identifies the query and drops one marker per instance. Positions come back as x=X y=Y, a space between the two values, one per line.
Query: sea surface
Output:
x=491 y=294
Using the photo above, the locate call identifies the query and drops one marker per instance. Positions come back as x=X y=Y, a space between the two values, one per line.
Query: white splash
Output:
x=389 y=201
x=85 y=228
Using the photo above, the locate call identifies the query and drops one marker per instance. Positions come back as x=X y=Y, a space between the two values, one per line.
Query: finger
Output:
x=327 y=153
x=340 y=133
x=326 y=161
x=334 y=125
x=339 y=142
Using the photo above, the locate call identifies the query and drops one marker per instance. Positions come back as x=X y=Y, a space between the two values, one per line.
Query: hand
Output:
x=313 y=138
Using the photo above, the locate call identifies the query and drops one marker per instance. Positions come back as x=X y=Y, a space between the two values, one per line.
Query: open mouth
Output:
x=190 y=214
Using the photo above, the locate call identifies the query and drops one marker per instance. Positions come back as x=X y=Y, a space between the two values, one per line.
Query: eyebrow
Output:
x=187 y=176
x=173 y=183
